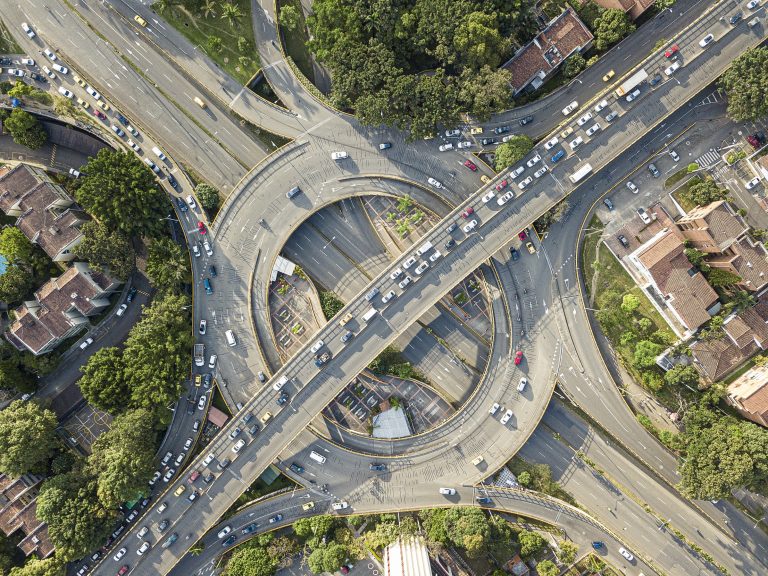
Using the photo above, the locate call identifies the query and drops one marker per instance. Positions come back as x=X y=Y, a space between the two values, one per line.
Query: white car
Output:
x=631 y=185
x=60 y=68
x=410 y=262
x=525 y=183
x=66 y=93
x=522 y=384
x=551 y=143
x=405 y=282
x=238 y=445
x=633 y=95
x=396 y=274
x=224 y=531
x=87 y=342
x=164 y=506
x=489 y=196
x=191 y=202
x=446 y=147
x=463 y=145
x=27 y=61
x=188 y=444
x=447 y=491
x=340 y=505
x=169 y=474
x=751 y=5
x=435 y=255
x=532 y=162
x=752 y=183
x=18 y=73
x=201 y=402
x=135 y=147
x=506 y=417
x=706 y=40
x=576 y=142
x=470 y=226
x=434 y=183
x=144 y=548
x=29 y=32
x=570 y=108
x=505 y=198
x=452 y=133
x=592 y=129
x=675 y=156
x=122 y=309
x=388 y=296
x=155 y=477
x=196 y=250
x=49 y=54
x=92 y=92
x=508 y=137
x=600 y=105
x=167 y=458
x=208 y=459
x=203 y=327
x=132 y=130
x=207 y=247
x=421 y=267
x=494 y=408
x=316 y=346
x=212 y=361
x=540 y=172
x=624 y=552
x=584 y=119
x=671 y=70
x=141 y=533
x=516 y=172
x=340 y=155
x=48 y=72
x=117 y=130
x=120 y=554
x=179 y=459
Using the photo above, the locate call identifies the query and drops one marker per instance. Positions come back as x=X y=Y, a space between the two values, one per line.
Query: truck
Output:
x=199 y=354
x=426 y=247
x=369 y=315
x=632 y=82
x=321 y=359
x=580 y=173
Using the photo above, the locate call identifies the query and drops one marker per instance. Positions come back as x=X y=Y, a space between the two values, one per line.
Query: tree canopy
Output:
x=168 y=265
x=120 y=191
x=27 y=437
x=106 y=250
x=746 y=83
x=512 y=151
x=530 y=542
x=416 y=64
x=52 y=566
x=103 y=383
x=250 y=561
x=207 y=194
x=14 y=245
x=25 y=129
x=15 y=283
x=610 y=27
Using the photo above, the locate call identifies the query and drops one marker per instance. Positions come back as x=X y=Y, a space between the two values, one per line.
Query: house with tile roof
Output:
x=666 y=270
x=749 y=395
x=634 y=8
x=60 y=309
x=18 y=505
x=541 y=58
x=44 y=212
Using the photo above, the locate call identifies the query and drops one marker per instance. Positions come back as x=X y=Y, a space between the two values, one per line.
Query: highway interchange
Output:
x=557 y=347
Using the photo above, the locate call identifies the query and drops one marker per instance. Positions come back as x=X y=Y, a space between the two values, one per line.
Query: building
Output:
x=60 y=309
x=44 y=212
x=632 y=7
x=749 y=395
x=673 y=281
x=17 y=512
x=539 y=60
x=407 y=558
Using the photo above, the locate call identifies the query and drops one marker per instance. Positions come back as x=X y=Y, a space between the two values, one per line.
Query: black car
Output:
x=450 y=244
x=655 y=80
x=172 y=181
x=514 y=253
x=283 y=398
x=378 y=467
x=451 y=228
x=736 y=18
x=181 y=204
x=623 y=240
x=483 y=500
x=488 y=141
x=229 y=541
x=253 y=429
x=38 y=77
x=501 y=130
x=250 y=528
x=526 y=120
x=208 y=478
x=5 y=62
x=296 y=468
x=207 y=380
x=163 y=525
x=131 y=294
x=212 y=270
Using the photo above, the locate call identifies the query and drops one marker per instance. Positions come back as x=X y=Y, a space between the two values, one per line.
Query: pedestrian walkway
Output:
x=708 y=159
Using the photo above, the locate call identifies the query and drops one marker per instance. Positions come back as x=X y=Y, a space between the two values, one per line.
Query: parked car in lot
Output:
x=631 y=185
x=752 y=183
x=653 y=170
x=644 y=215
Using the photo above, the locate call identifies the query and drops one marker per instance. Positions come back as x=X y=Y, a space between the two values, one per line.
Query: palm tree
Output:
x=231 y=13
x=209 y=9
x=160 y=6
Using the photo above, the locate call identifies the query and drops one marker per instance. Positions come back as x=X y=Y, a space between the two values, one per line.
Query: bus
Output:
x=580 y=173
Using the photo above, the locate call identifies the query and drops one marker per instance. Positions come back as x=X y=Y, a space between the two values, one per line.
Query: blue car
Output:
x=558 y=156
x=122 y=119
x=181 y=204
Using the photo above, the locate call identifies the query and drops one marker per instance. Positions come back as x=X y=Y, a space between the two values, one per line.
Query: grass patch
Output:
x=236 y=57
x=295 y=41
x=263 y=89
x=7 y=43
x=258 y=489
x=676 y=177
x=391 y=361
x=680 y=195
x=330 y=304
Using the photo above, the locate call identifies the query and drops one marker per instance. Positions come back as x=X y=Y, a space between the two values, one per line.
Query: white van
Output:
x=231 y=340
x=199 y=102
x=159 y=153
x=317 y=457
x=369 y=315
x=280 y=383
x=426 y=247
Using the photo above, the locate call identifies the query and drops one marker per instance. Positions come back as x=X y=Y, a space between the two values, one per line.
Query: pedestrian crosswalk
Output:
x=708 y=159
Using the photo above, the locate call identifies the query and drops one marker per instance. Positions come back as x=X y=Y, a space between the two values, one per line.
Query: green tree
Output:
x=514 y=150
x=77 y=522
x=103 y=382
x=646 y=353
x=289 y=18
x=468 y=528
x=52 y=566
x=612 y=26
x=208 y=8
x=530 y=542
x=547 y=568
x=719 y=278
x=106 y=250
x=27 y=437
x=120 y=191
x=524 y=478
x=330 y=304
x=746 y=84
x=232 y=13
x=243 y=45
x=25 y=129
x=168 y=265
x=695 y=257
x=681 y=375
x=333 y=557
x=156 y=354
x=629 y=304
x=703 y=192
x=250 y=561
x=315 y=560
x=122 y=459
x=208 y=196
x=568 y=551
x=214 y=44
x=485 y=91
x=382 y=536
x=574 y=65
x=15 y=283
x=433 y=522
x=14 y=245
x=13 y=376
x=479 y=41
x=316 y=525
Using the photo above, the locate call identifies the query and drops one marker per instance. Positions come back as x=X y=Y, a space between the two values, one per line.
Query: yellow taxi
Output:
x=484 y=179
x=79 y=80
x=180 y=490
x=476 y=130
x=266 y=418
x=82 y=103
x=140 y=21
x=609 y=75
x=567 y=132
x=308 y=506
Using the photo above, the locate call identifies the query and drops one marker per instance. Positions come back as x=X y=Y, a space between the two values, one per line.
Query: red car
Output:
x=468 y=212
x=501 y=185
x=518 y=357
x=672 y=51
x=201 y=227
x=522 y=235
x=99 y=114
x=471 y=165
x=123 y=570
